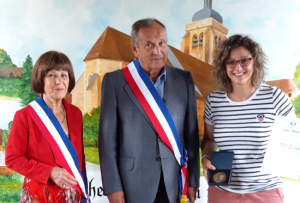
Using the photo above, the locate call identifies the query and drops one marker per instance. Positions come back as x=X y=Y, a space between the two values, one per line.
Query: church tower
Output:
x=204 y=34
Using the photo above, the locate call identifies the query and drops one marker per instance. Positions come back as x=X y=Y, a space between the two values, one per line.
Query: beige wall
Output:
x=92 y=97
x=77 y=93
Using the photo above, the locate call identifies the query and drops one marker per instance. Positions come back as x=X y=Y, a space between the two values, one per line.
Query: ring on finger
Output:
x=64 y=186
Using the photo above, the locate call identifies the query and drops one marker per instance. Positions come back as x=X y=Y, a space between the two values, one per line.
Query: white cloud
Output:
x=43 y=26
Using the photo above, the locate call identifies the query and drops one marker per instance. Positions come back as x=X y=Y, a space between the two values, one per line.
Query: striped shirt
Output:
x=244 y=128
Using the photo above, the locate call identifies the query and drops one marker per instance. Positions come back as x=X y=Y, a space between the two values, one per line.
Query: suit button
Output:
x=157 y=158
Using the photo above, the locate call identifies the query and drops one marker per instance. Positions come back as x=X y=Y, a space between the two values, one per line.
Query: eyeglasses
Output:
x=243 y=62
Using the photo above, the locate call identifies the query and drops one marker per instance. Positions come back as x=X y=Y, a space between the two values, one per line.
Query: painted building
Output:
x=204 y=34
x=11 y=72
x=287 y=86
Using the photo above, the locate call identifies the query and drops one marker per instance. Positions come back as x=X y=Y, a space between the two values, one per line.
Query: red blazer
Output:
x=29 y=153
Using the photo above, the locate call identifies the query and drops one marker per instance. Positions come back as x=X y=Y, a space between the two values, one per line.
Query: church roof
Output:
x=112 y=44
x=201 y=72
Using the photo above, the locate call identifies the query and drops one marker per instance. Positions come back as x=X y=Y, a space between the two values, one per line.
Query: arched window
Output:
x=195 y=40
x=201 y=39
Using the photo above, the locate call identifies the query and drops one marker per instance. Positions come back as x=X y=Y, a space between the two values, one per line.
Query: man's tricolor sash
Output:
x=59 y=142
x=158 y=114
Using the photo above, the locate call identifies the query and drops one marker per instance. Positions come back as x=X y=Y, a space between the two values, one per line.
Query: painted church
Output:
x=112 y=51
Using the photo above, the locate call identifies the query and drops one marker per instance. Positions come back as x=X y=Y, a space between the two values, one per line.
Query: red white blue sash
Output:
x=158 y=114
x=59 y=142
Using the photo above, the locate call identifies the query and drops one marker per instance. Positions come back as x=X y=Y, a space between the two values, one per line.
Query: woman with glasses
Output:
x=238 y=118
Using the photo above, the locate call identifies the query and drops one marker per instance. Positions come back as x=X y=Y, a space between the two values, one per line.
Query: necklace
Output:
x=64 y=114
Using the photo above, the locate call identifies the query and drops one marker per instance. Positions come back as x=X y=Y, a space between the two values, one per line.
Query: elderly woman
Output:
x=239 y=118
x=45 y=143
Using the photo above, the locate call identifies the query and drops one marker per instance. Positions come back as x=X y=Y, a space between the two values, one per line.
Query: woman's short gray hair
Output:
x=144 y=23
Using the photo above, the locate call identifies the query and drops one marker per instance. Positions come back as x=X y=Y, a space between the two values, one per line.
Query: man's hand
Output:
x=192 y=194
x=116 y=197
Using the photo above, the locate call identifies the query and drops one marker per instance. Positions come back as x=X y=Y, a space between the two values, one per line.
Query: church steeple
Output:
x=207 y=3
x=205 y=34
x=207 y=12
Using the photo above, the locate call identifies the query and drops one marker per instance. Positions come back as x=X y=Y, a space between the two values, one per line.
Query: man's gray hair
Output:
x=144 y=23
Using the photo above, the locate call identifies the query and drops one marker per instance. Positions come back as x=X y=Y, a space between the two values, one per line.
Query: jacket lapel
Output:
x=137 y=103
x=172 y=91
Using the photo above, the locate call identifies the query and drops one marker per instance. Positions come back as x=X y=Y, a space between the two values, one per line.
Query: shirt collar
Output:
x=162 y=77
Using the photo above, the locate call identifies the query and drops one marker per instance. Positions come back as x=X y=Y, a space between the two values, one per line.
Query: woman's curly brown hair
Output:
x=260 y=61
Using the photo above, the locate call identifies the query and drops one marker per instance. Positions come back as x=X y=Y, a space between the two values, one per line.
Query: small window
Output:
x=201 y=39
x=195 y=40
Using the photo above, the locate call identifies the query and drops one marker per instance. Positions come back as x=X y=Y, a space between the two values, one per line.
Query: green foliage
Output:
x=9 y=87
x=91 y=155
x=26 y=93
x=296 y=101
x=10 y=187
x=5 y=60
x=91 y=125
x=297 y=76
x=5 y=138
x=9 y=125
x=296 y=104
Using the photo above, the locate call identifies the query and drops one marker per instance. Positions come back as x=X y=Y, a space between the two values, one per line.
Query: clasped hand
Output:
x=62 y=178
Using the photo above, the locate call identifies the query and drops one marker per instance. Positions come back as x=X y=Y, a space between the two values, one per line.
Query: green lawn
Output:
x=91 y=155
x=9 y=87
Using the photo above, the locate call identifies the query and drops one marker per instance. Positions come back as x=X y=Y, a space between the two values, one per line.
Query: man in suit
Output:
x=136 y=166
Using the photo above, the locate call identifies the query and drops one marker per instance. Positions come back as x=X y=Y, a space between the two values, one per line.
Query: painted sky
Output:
x=73 y=26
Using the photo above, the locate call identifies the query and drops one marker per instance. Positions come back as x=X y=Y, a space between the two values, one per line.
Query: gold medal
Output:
x=219 y=177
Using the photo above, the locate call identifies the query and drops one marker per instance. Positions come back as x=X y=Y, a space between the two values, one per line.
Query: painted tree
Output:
x=26 y=93
x=91 y=125
x=296 y=101
x=5 y=60
x=5 y=136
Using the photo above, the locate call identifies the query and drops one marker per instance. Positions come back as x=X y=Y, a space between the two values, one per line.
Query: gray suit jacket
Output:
x=132 y=155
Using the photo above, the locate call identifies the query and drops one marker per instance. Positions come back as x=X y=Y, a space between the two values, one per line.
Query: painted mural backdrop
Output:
x=30 y=28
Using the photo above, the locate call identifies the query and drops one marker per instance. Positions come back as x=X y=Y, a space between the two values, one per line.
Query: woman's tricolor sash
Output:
x=58 y=140
x=158 y=114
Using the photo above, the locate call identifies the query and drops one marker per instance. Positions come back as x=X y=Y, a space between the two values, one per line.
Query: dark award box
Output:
x=222 y=160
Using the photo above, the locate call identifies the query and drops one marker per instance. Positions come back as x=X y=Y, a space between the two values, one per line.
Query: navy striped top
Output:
x=244 y=128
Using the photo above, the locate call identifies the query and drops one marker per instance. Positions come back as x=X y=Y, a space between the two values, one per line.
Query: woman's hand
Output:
x=206 y=163
x=62 y=178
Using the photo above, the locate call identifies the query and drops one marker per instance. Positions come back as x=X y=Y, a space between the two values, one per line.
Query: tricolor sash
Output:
x=159 y=116
x=59 y=142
